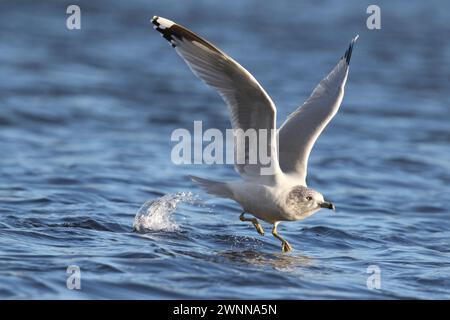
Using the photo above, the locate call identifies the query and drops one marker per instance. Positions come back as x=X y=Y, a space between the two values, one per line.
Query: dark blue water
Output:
x=85 y=124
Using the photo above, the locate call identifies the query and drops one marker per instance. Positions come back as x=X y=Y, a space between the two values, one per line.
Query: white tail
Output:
x=217 y=188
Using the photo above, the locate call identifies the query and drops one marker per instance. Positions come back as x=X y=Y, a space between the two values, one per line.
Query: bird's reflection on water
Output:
x=279 y=261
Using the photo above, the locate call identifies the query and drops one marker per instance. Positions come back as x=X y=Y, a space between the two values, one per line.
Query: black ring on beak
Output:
x=328 y=205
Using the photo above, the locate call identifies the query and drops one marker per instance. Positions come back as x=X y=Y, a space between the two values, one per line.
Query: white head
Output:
x=303 y=200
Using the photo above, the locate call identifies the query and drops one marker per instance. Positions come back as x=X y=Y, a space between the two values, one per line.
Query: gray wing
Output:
x=302 y=128
x=249 y=105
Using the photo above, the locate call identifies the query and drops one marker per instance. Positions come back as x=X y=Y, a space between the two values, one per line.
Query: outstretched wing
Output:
x=249 y=105
x=302 y=128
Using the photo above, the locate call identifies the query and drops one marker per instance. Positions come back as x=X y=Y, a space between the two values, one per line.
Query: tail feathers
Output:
x=217 y=188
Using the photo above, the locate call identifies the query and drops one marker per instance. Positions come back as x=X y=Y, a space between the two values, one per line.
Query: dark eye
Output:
x=309 y=198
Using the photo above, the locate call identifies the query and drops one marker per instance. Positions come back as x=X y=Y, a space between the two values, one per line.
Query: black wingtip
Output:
x=165 y=32
x=348 y=54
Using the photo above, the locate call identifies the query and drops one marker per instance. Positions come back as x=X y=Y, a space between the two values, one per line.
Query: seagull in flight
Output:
x=283 y=194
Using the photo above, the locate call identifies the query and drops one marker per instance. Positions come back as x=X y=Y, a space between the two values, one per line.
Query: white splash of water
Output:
x=156 y=215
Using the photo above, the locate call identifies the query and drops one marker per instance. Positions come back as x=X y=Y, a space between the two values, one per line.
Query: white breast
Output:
x=264 y=202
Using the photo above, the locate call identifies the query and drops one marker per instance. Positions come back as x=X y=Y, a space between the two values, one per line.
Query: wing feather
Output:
x=249 y=105
x=302 y=128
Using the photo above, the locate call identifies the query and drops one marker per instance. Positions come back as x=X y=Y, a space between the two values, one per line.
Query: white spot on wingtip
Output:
x=164 y=23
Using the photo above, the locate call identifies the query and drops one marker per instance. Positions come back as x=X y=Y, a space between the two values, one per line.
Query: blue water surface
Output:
x=85 y=123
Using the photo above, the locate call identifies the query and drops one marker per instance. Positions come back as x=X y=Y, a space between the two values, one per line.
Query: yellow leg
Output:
x=254 y=221
x=285 y=246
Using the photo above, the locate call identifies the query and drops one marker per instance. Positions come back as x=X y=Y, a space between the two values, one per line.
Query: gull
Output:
x=283 y=194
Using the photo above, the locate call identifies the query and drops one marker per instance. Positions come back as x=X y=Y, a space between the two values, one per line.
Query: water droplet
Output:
x=156 y=215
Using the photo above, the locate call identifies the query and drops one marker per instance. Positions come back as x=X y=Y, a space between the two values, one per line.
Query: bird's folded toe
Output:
x=286 y=247
x=259 y=228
